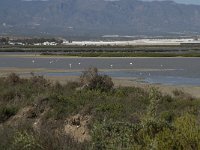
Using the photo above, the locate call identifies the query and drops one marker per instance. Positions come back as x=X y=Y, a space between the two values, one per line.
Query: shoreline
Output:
x=133 y=82
x=118 y=81
x=98 y=57
x=54 y=70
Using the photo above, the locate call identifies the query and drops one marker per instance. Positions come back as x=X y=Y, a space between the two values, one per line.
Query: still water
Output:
x=172 y=71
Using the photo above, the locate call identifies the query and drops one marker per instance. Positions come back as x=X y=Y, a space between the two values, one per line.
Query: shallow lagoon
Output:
x=172 y=71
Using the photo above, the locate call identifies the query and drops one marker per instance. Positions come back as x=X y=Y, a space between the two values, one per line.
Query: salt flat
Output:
x=135 y=42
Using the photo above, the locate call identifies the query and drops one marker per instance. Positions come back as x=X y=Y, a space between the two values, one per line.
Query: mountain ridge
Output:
x=98 y=17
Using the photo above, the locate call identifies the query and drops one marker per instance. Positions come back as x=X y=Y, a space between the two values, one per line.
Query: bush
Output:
x=26 y=141
x=72 y=85
x=39 y=81
x=6 y=137
x=13 y=79
x=114 y=135
x=123 y=118
x=185 y=136
x=182 y=95
x=154 y=97
x=6 y=112
x=92 y=80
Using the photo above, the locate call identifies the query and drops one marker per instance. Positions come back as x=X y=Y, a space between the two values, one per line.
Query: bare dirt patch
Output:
x=21 y=116
x=77 y=127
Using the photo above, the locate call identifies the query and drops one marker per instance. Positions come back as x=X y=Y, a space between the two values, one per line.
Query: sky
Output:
x=183 y=1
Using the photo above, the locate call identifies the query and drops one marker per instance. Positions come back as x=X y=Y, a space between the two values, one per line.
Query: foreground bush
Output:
x=92 y=80
x=6 y=112
x=24 y=140
x=34 y=114
x=151 y=132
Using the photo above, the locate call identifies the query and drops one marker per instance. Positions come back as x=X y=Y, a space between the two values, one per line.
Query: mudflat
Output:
x=118 y=81
x=194 y=91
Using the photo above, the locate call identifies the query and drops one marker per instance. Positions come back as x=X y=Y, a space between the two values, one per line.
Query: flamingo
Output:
x=70 y=66
x=111 y=66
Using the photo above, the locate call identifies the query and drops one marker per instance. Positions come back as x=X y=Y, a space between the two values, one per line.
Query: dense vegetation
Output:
x=105 y=51
x=4 y=41
x=126 y=54
x=38 y=114
x=79 y=49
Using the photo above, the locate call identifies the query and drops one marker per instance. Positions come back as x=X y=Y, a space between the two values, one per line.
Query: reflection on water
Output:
x=153 y=70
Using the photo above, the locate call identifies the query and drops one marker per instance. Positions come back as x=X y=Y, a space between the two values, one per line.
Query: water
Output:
x=172 y=71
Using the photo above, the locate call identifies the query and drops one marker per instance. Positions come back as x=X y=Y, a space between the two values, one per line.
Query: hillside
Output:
x=38 y=114
x=97 y=17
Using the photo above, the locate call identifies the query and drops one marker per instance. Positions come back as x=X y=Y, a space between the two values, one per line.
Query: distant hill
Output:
x=97 y=17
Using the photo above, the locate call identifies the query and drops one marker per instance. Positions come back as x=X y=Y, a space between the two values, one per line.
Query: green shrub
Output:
x=187 y=132
x=6 y=112
x=7 y=95
x=154 y=98
x=25 y=141
x=61 y=106
x=167 y=116
x=114 y=135
x=185 y=136
x=6 y=137
x=120 y=118
x=110 y=110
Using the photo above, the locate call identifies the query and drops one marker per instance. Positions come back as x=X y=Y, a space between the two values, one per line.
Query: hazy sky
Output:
x=183 y=1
